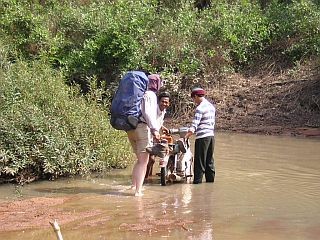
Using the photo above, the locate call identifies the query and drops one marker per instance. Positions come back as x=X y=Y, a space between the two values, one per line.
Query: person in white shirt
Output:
x=147 y=129
x=163 y=104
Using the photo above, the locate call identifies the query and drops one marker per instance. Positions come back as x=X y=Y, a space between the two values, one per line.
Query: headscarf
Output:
x=155 y=82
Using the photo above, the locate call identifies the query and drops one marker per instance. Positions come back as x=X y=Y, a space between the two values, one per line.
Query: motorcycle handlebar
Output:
x=174 y=131
x=181 y=131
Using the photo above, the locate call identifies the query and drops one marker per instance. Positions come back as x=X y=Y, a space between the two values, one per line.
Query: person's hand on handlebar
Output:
x=156 y=135
x=188 y=134
x=165 y=130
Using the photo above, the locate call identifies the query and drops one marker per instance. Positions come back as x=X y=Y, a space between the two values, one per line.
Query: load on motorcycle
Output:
x=175 y=157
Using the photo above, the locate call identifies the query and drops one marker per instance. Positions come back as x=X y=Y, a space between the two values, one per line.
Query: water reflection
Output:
x=266 y=188
x=186 y=195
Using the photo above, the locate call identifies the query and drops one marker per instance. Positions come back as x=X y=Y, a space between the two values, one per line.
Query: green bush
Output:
x=47 y=130
x=297 y=25
x=25 y=26
x=241 y=30
x=120 y=30
x=102 y=39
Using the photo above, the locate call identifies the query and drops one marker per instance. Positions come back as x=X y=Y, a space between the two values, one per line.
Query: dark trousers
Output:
x=203 y=160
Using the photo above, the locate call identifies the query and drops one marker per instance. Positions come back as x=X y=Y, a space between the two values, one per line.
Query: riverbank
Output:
x=270 y=102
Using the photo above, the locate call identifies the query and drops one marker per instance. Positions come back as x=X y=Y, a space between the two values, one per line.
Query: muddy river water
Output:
x=267 y=187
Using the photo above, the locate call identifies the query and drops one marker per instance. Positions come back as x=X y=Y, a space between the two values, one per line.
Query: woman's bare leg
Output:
x=139 y=171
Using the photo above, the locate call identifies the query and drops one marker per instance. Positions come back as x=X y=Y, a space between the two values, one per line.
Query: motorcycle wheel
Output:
x=163 y=174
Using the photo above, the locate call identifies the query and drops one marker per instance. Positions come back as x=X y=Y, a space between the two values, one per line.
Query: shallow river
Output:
x=267 y=187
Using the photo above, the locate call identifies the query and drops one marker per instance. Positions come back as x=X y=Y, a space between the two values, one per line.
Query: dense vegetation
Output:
x=60 y=62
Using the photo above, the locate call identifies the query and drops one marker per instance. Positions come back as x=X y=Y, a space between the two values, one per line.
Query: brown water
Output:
x=266 y=187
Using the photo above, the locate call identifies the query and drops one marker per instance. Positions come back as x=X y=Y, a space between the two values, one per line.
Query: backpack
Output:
x=126 y=104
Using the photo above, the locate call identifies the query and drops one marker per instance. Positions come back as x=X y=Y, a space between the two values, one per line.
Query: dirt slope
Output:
x=268 y=101
x=287 y=103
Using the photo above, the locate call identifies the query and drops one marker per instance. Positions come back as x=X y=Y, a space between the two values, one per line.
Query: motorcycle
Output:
x=176 y=165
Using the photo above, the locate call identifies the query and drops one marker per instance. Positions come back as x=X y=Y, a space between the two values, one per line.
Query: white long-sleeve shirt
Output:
x=160 y=116
x=149 y=108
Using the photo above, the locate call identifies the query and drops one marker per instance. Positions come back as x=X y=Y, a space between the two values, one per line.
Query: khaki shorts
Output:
x=140 y=138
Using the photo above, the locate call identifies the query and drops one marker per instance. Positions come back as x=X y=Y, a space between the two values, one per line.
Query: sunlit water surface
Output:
x=266 y=187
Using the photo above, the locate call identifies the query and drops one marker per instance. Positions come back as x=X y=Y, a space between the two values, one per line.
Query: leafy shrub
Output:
x=47 y=130
x=25 y=26
x=298 y=24
x=117 y=42
x=240 y=29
